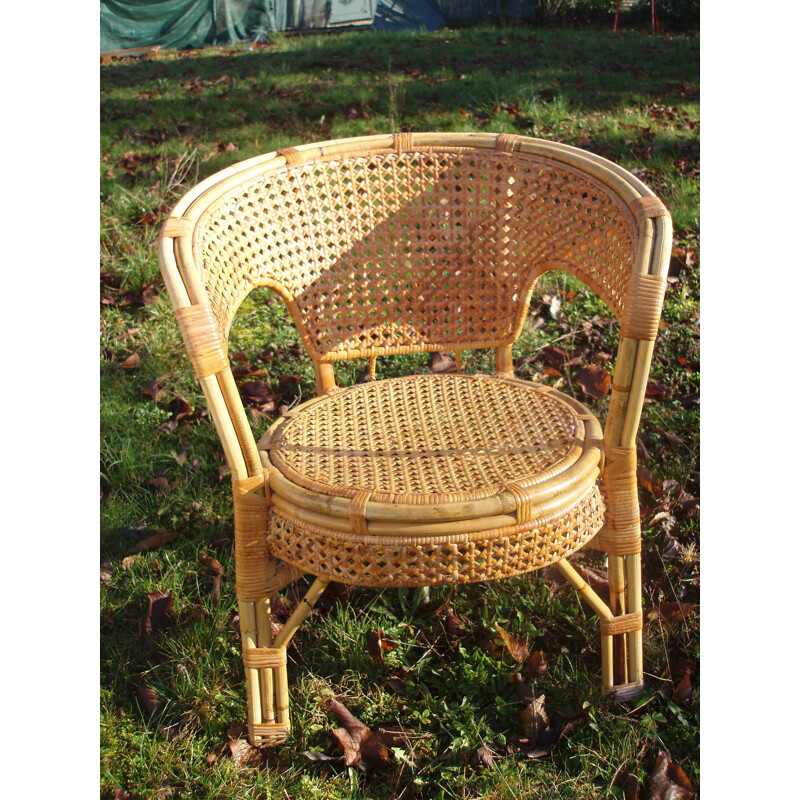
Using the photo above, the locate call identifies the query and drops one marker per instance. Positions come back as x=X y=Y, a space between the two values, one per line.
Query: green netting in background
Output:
x=195 y=23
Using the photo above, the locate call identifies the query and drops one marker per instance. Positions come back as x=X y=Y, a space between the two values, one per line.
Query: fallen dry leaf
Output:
x=628 y=784
x=683 y=691
x=360 y=743
x=244 y=755
x=106 y=571
x=533 y=715
x=374 y=646
x=453 y=625
x=668 y=781
x=646 y=480
x=542 y=730
x=397 y=686
x=156 y=540
x=671 y=612
x=670 y=438
x=513 y=645
x=131 y=362
x=595 y=381
x=212 y=565
x=482 y=757
x=158 y=606
x=536 y=665
x=149 y=700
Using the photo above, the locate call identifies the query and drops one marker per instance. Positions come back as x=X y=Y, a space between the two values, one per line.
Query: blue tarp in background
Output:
x=194 y=23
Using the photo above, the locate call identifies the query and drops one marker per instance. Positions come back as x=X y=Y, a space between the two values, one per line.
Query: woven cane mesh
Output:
x=416 y=561
x=429 y=439
x=397 y=252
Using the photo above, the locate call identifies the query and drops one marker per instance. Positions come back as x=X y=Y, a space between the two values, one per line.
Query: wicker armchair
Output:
x=407 y=243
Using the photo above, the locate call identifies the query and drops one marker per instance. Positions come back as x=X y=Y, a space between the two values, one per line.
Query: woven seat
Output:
x=402 y=483
x=408 y=243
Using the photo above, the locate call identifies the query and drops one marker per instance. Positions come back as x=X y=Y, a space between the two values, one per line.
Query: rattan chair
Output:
x=406 y=243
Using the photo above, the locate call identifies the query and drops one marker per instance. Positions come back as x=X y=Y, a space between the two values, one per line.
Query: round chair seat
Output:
x=430 y=479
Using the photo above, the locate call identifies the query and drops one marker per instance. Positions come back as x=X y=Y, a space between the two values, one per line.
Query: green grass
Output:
x=165 y=125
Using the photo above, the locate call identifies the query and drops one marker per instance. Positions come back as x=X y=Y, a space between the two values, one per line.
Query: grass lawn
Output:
x=172 y=698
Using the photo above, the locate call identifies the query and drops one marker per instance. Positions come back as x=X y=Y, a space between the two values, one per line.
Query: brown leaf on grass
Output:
x=670 y=438
x=154 y=389
x=132 y=361
x=158 y=606
x=542 y=730
x=149 y=700
x=244 y=755
x=688 y=506
x=361 y=744
x=533 y=715
x=646 y=480
x=224 y=472
x=215 y=592
x=258 y=395
x=156 y=540
x=555 y=356
x=357 y=740
x=482 y=757
x=656 y=390
x=442 y=362
x=513 y=645
x=397 y=686
x=122 y=794
x=212 y=565
x=453 y=624
x=159 y=484
x=244 y=370
x=683 y=691
x=668 y=781
x=628 y=784
x=374 y=646
x=594 y=381
x=671 y=612
x=179 y=407
x=106 y=571
x=536 y=665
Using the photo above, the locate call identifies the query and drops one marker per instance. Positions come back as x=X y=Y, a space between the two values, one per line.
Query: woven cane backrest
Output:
x=403 y=251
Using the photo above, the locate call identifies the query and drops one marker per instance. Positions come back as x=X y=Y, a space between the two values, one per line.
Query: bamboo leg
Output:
x=249 y=630
x=304 y=608
x=616 y=591
x=635 y=657
x=602 y=611
x=264 y=626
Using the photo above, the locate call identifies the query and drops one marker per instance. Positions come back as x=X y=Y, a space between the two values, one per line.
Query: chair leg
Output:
x=266 y=676
x=616 y=630
x=625 y=627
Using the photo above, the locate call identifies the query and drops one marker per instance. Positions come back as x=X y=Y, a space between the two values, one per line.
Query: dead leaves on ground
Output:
x=542 y=731
x=668 y=781
x=158 y=607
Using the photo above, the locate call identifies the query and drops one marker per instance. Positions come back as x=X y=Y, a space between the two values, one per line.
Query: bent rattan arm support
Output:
x=418 y=242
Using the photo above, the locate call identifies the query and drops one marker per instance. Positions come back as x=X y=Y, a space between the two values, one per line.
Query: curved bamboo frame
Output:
x=259 y=575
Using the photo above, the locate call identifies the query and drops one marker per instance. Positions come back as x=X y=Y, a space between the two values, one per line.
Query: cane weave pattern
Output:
x=397 y=251
x=428 y=561
x=425 y=439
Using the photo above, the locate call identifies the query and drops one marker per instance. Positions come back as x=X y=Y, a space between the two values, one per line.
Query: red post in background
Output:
x=653 y=15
